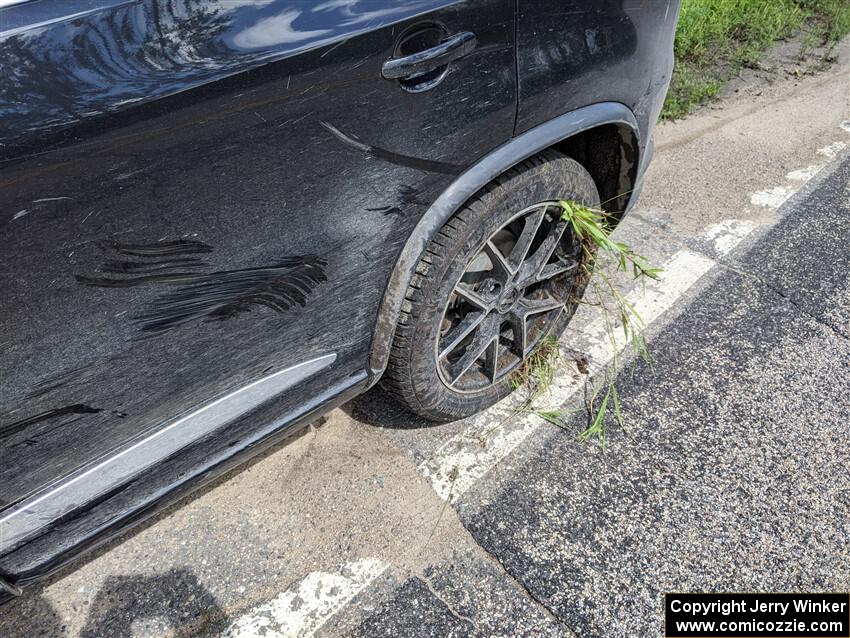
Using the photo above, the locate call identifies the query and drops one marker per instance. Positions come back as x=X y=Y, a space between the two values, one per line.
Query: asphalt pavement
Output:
x=734 y=473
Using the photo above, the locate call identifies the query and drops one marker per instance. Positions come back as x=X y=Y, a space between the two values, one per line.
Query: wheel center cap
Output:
x=507 y=300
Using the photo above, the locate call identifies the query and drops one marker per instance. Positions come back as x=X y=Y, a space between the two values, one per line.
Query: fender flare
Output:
x=465 y=186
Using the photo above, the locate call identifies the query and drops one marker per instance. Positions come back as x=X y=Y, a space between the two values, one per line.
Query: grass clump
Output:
x=605 y=258
x=537 y=372
x=715 y=38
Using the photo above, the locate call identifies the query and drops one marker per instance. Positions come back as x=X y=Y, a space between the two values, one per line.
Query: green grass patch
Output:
x=593 y=230
x=715 y=38
x=537 y=372
x=604 y=259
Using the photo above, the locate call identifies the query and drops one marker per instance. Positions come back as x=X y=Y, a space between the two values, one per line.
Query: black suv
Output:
x=221 y=218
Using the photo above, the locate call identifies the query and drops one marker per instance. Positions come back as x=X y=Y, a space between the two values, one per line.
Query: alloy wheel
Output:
x=508 y=298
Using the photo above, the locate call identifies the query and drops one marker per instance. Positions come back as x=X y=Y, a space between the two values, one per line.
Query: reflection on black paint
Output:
x=225 y=294
x=108 y=61
x=78 y=408
x=119 y=54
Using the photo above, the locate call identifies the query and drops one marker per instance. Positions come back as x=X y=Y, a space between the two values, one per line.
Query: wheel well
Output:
x=609 y=153
x=608 y=149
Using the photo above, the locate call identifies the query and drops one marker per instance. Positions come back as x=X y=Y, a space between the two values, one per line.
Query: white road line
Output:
x=805 y=174
x=492 y=436
x=775 y=197
x=728 y=234
x=833 y=150
x=300 y=612
x=772 y=198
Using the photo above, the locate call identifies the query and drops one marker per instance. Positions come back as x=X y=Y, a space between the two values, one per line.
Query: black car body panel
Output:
x=209 y=211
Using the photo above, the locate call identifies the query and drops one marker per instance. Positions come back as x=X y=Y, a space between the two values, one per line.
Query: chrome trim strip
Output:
x=75 y=490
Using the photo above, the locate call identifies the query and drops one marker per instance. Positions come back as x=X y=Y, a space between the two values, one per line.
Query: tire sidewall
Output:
x=552 y=180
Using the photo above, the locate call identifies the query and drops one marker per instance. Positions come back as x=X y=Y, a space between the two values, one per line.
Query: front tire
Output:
x=502 y=274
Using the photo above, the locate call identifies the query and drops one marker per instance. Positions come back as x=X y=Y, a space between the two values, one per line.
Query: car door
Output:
x=200 y=205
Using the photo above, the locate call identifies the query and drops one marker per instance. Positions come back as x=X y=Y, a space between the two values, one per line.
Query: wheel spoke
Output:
x=532 y=268
x=491 y=360
x=529 y=231
x=467 y=293
x=488 y=331
x=507 y=290
x=498 y=260
x=561 y=267
x=527 y=307
x=520 y=331
x=469 y=323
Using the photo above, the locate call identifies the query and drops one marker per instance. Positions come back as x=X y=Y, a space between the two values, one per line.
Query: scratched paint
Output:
x=225 y=294
x=148 y=265
x=161 y=249
x=13 y=428
x=407 y=198
x=107 y=282
x=137 y=52
x=121 y=267
x=430 y=166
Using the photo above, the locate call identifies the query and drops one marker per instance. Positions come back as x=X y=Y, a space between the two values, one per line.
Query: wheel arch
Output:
x=603 y=137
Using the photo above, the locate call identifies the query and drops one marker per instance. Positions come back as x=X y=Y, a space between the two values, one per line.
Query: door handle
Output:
x=447 y=51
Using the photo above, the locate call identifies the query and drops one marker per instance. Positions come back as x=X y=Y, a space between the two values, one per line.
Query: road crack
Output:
x=535 y=601
x=451 y=608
